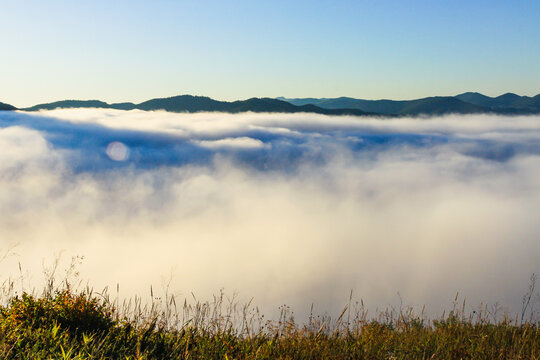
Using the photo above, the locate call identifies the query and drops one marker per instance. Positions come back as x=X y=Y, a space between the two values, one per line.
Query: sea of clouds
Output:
x=285 y=208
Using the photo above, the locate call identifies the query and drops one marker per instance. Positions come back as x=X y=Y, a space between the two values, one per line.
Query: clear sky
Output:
x=120 y=50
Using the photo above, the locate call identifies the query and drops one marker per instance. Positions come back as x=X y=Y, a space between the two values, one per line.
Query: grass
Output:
x=63 y=323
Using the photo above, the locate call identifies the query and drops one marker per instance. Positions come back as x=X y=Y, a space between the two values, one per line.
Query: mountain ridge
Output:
x=191 y=104
x=7 y=107
x=465 y=103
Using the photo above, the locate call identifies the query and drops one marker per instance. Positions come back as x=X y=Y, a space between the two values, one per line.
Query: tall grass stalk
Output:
x=69 y=321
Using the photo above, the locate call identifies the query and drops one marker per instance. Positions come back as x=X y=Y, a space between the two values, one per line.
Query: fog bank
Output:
x=284 y=208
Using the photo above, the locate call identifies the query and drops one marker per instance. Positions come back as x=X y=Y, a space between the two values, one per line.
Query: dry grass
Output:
x=68 y=323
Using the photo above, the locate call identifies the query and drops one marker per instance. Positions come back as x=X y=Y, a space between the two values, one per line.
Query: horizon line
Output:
x=109 y=102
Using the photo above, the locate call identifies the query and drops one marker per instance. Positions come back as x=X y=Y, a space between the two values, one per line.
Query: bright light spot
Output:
x=117 y=151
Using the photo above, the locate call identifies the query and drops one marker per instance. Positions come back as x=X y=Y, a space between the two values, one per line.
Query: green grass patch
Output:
x=66 y=324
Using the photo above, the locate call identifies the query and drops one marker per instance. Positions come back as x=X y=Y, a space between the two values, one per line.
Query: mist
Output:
x=293 y=209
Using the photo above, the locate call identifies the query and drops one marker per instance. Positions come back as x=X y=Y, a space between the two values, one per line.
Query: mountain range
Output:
x=466 y=103
x=191 y=104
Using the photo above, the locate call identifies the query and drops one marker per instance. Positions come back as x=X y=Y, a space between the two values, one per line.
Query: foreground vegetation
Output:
x=70 y=322
x=67 y=324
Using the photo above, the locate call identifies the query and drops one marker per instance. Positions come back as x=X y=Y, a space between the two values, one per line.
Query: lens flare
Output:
x=117 y=151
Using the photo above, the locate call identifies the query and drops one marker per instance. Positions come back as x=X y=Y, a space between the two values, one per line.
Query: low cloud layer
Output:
x=285 y=208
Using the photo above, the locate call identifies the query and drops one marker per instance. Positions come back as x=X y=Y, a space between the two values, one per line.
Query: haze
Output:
x=284 y=208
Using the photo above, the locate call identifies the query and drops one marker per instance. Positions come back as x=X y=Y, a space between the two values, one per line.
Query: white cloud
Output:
x=239 y=142
x=416 y=216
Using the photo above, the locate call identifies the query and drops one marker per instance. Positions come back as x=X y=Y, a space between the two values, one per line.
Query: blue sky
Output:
x=136 y=50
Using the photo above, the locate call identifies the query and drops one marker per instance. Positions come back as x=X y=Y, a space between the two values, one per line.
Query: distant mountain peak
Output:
x=68 y=104
x=7 y=107
x=509 y=96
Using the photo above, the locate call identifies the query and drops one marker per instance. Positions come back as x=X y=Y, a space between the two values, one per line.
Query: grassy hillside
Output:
x=65 y=324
